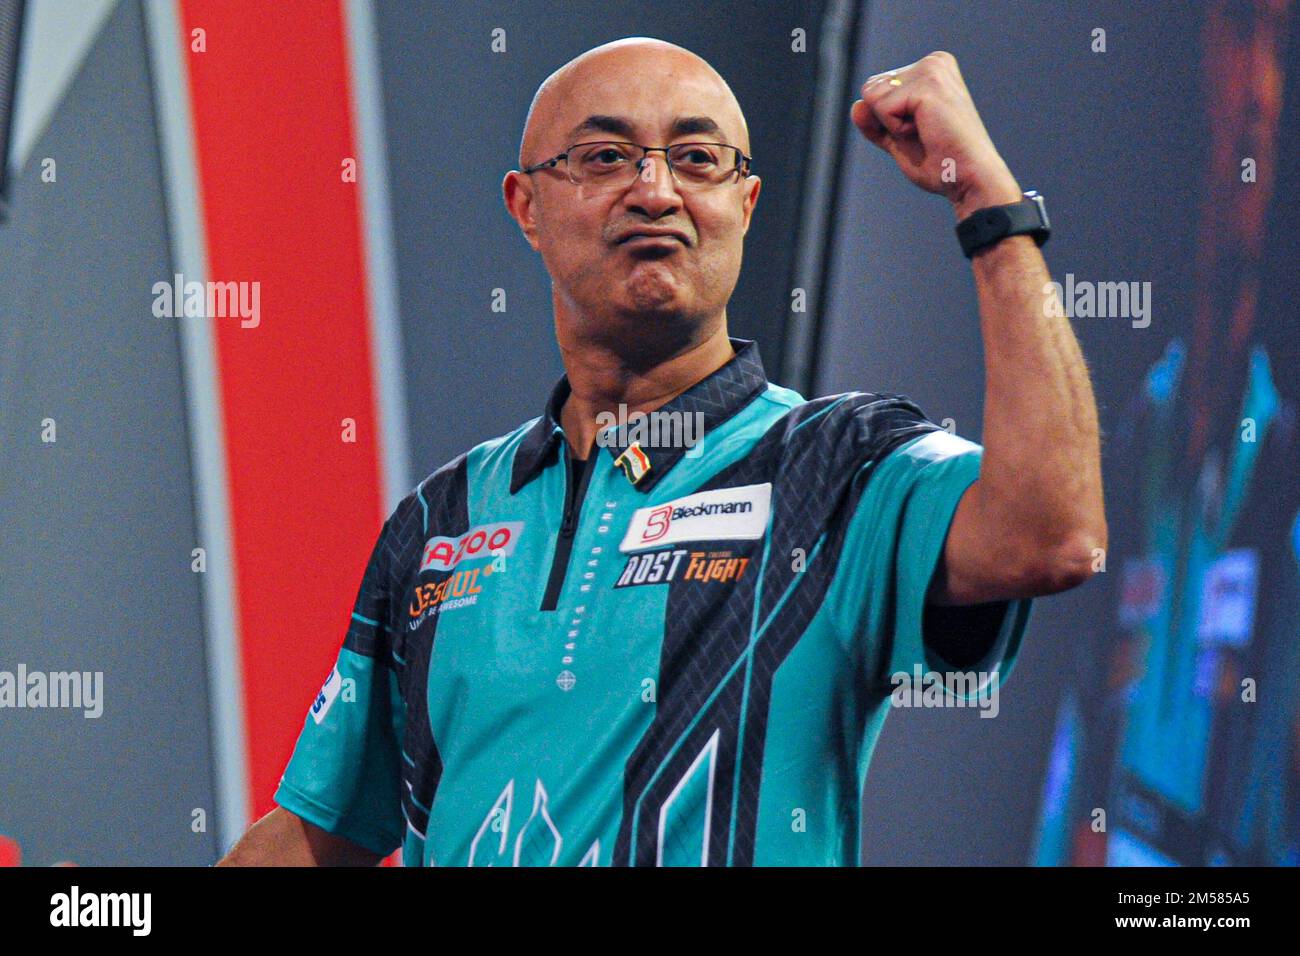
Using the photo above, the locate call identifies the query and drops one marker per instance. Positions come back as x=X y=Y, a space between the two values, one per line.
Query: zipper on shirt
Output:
x=574 y=492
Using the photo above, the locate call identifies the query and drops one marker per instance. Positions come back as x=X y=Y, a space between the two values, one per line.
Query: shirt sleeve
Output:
x=345 y=772
x=892 y=548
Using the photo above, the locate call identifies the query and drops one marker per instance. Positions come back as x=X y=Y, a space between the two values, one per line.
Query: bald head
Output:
x=589 y=86
x=609 y=283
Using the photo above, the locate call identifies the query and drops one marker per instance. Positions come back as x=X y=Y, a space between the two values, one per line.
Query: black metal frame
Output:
x=15 y=10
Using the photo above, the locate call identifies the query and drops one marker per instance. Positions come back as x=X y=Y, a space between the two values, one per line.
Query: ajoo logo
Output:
x=738 y=514
x=442 y=553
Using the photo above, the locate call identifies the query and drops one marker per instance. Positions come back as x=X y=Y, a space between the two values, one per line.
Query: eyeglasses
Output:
x=692 y=165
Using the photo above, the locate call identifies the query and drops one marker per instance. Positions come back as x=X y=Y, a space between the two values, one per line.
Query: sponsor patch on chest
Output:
x=442 y=553
x=681 y=564
x=723 y=514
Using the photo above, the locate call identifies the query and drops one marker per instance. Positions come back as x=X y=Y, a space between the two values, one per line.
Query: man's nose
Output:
x=654 y=189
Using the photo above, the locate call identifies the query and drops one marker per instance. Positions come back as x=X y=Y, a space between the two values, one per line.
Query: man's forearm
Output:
x=1041 y=473
x=1030 y=523
x=284 y=839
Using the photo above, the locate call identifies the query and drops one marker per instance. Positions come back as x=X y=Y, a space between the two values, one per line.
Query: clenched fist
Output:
x=923 y=116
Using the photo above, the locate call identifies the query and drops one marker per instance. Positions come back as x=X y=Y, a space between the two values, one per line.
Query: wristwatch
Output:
x=984 y=227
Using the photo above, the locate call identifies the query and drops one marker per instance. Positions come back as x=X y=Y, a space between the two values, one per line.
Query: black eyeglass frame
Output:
x=744 y=166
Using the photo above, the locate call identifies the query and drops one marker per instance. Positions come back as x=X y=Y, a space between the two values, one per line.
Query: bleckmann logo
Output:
x=722 y=508
x=717 y=515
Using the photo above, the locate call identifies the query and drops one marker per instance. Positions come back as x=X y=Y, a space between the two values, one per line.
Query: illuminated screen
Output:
x=1183 y=744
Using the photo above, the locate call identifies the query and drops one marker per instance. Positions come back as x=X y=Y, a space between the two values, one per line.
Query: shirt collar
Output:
x=716 y=397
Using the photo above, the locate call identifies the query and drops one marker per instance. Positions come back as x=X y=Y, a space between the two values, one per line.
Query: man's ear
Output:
x=517 y=189
x=753 y=185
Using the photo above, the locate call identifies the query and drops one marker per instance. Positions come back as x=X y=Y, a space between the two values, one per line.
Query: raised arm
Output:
x=1032 y=522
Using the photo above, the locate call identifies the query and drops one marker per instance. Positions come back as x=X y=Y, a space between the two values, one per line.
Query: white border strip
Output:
x=207 y=436
x=377 y=236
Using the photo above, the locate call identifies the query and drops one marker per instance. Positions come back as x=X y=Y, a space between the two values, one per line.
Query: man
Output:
x=577 y=645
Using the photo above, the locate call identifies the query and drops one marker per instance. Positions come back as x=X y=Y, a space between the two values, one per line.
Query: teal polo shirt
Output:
x=680 y=651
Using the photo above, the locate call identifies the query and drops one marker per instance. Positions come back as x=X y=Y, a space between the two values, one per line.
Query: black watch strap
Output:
x=984 y=227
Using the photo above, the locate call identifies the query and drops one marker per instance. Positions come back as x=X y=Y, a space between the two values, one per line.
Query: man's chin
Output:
x=653 y=309
x=651 y=296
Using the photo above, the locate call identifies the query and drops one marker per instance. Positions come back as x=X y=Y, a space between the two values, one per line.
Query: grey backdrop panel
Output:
x=98 y=526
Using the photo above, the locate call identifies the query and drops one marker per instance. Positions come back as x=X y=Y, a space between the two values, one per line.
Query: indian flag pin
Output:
x=634 y=462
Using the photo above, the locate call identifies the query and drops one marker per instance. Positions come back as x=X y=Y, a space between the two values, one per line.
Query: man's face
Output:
x=581 y=231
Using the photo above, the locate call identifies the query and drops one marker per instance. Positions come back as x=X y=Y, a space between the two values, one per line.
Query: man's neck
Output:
x=601 y=380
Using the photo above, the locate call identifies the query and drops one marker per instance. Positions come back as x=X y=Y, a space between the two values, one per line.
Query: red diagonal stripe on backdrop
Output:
x=272 y=122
